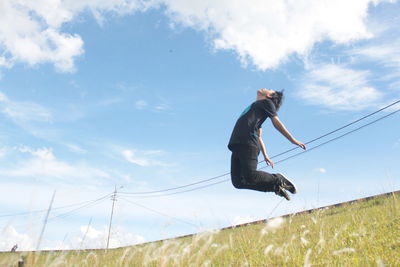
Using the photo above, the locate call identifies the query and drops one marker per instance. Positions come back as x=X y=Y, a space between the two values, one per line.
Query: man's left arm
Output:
x=263 y=149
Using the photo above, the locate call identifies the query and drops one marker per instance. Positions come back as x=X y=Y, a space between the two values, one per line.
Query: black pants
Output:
x=244 y=172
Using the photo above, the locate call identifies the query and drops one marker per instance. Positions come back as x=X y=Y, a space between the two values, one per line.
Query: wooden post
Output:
x=21 y=262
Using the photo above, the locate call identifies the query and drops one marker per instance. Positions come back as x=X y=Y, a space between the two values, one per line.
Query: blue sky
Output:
x=144 y=95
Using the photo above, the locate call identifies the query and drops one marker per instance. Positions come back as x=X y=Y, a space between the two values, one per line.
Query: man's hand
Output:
x=300 y=144
x=269 y=162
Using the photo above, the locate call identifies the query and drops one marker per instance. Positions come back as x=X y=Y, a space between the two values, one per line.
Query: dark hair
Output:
x=277 y=99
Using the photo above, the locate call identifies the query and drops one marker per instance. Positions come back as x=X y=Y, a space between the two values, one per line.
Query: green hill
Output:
x=359 y=233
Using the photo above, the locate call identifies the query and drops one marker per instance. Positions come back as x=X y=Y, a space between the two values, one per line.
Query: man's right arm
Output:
x=282 y=129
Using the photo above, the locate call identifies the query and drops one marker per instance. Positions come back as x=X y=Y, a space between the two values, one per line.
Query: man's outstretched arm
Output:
x=282 y=129
x=264 y=150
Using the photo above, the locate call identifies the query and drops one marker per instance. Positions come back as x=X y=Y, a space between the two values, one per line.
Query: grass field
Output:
x=363 y=233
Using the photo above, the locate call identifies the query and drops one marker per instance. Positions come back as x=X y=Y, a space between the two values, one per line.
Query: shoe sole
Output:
x=294 y=186
x=284 y=194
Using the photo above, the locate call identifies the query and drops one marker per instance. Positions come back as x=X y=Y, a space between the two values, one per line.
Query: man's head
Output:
x=275 y=96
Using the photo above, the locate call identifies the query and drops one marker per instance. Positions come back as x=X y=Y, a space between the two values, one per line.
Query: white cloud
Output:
x=267 y=33
x=76 y=149
x=388 y=54
x=10 y=237
x=144 y=158
x=130 y=156
x=321 y=170
x=31 y=30
x=141 y=104
x=162 y=107
x=26 y=38
x=3 y=63
x=385 y=54
x=90 y=237
x=42 y=164
x=44 y=153
x=24 y=111
x=36 y=119
x=144 y=105
x=339 y=87
x=3 y=151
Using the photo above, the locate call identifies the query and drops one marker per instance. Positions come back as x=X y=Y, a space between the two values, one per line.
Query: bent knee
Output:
x=239 y=183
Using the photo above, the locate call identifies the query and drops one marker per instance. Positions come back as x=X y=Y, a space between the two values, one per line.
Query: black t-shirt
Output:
x=246 y=127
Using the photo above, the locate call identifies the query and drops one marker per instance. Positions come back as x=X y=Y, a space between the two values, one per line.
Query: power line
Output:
x=280 y=154
x=338 y=129
x=71 y=212
x=56 y=208
x=97 y=201
x=178 y=192
x=280 y=161
x=159 y=213
x=338 y=137
x=88 y=203
x=68 y=213
x=175 y=188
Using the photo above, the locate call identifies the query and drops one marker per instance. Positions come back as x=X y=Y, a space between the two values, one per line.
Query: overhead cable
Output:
x=280 y=154
x=55 y=208
x=280 y=161
x=159 y=213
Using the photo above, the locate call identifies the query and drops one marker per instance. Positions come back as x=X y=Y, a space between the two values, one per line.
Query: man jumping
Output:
x=246 y=144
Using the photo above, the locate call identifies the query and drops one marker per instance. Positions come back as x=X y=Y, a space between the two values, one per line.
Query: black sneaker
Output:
x=281 y=192
x=285 y=183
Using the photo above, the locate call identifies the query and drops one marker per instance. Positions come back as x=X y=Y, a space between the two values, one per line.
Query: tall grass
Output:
x=365 y=233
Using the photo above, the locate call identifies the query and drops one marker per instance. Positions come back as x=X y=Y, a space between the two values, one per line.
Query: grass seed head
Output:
x=275 y=223
x=268 y=249
x=304 y=241
x=307 y=262
x=344 y=250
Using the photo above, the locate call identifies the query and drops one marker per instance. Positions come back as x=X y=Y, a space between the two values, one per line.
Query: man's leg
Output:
x=244 y=174
x=236 y=171
x=255 y=180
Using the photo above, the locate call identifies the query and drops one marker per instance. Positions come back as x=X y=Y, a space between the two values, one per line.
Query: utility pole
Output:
x=45 y=221
x=84 y=237
x=113 y=198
